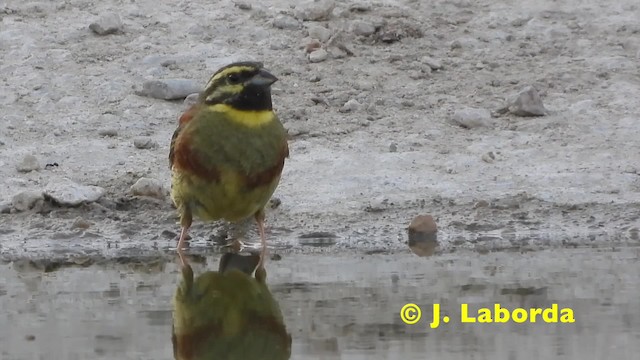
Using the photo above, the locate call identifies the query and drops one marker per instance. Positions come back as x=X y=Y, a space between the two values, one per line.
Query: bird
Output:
x=228 y=314
x=228 y=151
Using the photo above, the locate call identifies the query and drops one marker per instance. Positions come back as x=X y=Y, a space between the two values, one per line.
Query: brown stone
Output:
x=423 y=235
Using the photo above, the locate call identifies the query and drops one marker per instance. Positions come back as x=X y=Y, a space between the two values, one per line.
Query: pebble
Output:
x=360 y=7
x=312 y=45
x=110 y=132
x=107 y=24
x=148 y=187
x=362 y=28
x=28 y=163
x=169 y=89
x=489 y=157
x=527 y=103
x=350 y=106
x=144 y=143
x=318 y=239
x=242 y=5
x=191 y=99
x=69 y=193
x=319 y=32
x=80 y=223
x=286 y=22
x=5 y=208
x=470 y=118
x=317 y=10
x=378 y=204
x=434 y=64
x=423 y=235
x=26 y=200
x=393 y=147
x=318 y=55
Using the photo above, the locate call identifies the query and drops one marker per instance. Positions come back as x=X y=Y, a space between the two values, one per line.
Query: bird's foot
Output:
x=238 y=245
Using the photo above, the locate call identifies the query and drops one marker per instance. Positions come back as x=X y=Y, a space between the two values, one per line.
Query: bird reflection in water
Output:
x=228 y=314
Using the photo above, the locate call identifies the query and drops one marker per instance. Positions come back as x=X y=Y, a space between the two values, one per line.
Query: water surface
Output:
x=343 y=306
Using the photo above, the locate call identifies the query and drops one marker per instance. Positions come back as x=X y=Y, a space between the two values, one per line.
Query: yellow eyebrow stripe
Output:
x=225 y=72
x=249 y=118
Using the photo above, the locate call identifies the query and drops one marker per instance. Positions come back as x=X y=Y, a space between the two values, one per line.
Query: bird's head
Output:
x=241 y=85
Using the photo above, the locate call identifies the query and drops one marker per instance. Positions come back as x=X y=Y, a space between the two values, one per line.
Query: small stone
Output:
x=168 y=234
x=319 y=32
x=318 y=55
x=29 y=163
x=314 y=78
x=5 y=208
x=80 y=223
x=470 y=118
x=107 y=24
x=110 y=132
x=191 y=99
x=489 y=157
x=148 y=187
x=362 y=28
x=393 y=147
x=434 y=64
x=360 y=7
x=318 y=239
x=144 y=143
x=242 y=5
x=69 y=193
x=379 y=204
x=527 y=103
x=350 y=106
x=286 y=23
x=312 y=45
x=317 y=10
x=169 y=89
x=481 y=204
x=26 y=200
x=423 y=235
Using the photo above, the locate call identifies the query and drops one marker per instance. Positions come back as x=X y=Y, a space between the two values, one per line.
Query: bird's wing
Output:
x=184 y=118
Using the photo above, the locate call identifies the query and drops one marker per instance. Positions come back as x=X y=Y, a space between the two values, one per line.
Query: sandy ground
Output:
x=569 y=178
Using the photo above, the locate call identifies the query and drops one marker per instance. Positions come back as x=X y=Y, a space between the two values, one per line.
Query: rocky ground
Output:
x=515 y=124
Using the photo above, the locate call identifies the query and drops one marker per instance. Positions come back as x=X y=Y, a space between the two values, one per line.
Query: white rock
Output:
x=315 y=10
x=28 y=163
x=286 y=22
x=26 y=200
x=169 y=89
x=350 y=106
x=527 y=103
x=362 y=28
x=191 y=99
x=318 y=32
x=68 y=193
x=434 y=64
x=144 y=143
x=318 y=55
x=107 y=24
x=148 y=187
x=471 y=118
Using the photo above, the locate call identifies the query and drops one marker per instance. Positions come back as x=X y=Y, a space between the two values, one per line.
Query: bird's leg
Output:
x=263 y=240
x=185 y=222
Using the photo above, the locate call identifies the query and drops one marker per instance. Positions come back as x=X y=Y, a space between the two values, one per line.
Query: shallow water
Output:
x=343 y=306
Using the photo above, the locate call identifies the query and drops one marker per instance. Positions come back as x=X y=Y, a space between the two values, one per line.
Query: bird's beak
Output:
x=263 y=78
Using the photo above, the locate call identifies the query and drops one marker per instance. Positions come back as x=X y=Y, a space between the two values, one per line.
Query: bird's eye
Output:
x=233 y=78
